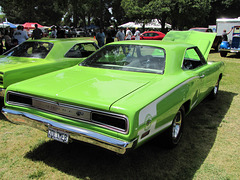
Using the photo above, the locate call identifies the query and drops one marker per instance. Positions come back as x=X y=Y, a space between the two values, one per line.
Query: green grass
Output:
x=210 y=148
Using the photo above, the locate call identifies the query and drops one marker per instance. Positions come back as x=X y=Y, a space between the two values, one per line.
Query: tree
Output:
x=182 y=13
x=44 y=12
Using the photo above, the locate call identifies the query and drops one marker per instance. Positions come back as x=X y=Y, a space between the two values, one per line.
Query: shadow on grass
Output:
x=150 y=161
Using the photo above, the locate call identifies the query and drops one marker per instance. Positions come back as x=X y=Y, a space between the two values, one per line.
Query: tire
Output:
x=223 y=53
x=174 y=133
x=213 y=94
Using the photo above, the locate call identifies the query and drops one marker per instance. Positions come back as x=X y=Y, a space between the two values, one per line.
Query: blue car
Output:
x=234 y=46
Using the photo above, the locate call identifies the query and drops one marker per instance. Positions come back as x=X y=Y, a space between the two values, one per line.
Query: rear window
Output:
x=31 y=50
x=81 y=50
x=128 y=57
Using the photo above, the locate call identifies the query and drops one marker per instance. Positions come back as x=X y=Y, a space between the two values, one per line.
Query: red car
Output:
x=152 y=35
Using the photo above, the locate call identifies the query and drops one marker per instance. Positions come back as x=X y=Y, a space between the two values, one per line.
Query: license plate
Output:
x=58 y=135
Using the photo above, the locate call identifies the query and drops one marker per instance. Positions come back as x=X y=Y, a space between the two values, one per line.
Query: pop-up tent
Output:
x=11 y=25
x=30 y=25
x=2 y=25
x=153 y=24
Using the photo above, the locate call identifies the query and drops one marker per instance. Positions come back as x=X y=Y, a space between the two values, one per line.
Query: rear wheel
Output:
x=174 y=133
x=223 y=53
x=214 y=92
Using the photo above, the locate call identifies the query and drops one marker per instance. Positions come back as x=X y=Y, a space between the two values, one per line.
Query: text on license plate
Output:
x=58 y=135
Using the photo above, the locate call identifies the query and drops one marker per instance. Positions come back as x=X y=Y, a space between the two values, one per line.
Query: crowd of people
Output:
x=12 y=38
x=120 y=35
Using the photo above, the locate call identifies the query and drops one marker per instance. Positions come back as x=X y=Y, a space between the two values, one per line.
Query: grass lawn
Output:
x=210 y=148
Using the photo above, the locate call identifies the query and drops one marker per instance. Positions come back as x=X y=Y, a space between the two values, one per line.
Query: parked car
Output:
x=37 y=57
x=217 y=41
x=80 y=32
x=233 y=46
x=201 y=29
x=122 y=95
x=152 y=35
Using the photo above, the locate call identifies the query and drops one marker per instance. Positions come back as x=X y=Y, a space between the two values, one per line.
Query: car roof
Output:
x=152 y=32
x=160 y=44
x=63 y=40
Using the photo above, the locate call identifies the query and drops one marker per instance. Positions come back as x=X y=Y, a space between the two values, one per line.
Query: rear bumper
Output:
x=77 y=133
x=2 y=92
x=230 y=50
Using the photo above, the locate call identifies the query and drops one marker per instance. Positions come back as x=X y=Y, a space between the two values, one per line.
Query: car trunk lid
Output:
x=91 y=87
x=202 y=40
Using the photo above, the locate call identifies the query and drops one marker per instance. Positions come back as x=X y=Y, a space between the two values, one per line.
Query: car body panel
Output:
x=148 y=100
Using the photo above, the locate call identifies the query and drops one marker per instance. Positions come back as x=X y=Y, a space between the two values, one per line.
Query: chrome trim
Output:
x=113 y=128
x=2 y=92
x=77 y=133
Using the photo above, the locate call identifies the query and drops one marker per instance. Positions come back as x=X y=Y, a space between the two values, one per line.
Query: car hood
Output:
x=89 y=87
x=202 y=40
x=11 y=63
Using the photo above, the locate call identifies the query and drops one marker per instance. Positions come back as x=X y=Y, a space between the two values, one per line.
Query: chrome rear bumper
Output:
x=77 y=133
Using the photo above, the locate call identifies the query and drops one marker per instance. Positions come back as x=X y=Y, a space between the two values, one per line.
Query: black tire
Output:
x=223 y=53
x=213 y=94
x=174 y=133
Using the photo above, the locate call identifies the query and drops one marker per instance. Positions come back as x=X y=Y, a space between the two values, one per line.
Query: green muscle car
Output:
x=37 y=57
x=123 y=94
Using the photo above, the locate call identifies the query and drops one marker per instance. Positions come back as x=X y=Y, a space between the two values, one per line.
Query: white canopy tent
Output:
x=153 y=24
x=2 y=25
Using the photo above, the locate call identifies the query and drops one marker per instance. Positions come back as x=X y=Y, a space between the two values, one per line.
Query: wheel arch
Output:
x=220 y=77
x=186 y=106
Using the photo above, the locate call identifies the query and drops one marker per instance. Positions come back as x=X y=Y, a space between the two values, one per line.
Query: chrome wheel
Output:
x=174 y=133
x=177 y=123
x=215 y=90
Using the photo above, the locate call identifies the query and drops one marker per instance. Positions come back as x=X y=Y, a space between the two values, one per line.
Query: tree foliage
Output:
x=182 y=14
x=46 y=12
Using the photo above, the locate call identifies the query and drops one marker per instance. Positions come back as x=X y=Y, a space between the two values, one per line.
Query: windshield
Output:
x=31 y=49
x=128 y=58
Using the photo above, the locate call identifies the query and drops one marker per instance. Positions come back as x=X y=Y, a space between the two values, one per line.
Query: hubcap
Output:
x=177 y=122
x=215 y=89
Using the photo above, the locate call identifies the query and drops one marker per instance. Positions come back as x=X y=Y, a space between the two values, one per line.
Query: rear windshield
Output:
x=31 y=50
x=135 y=58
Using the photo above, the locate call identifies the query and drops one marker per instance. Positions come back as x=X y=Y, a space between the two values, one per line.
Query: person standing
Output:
x=109 y=37
x=7 y=40
x=120 y=35
x=100 y=37
x=20 y=35
x=54 y=32
x=137 y=34
x=224 y=34
x=128 y=34
x=37 y=33
x=1 y=44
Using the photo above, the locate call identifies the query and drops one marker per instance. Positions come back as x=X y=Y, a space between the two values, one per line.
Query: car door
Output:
x=194 y=63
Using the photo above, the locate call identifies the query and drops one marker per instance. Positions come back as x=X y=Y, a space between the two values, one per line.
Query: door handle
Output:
x=202 y=76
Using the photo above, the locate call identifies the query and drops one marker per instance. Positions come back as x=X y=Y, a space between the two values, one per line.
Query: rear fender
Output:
x=225 y=45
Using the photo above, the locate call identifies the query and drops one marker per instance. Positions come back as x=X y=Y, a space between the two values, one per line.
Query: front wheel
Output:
x=214 y=92
x=174 y=133
x=223 y=53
